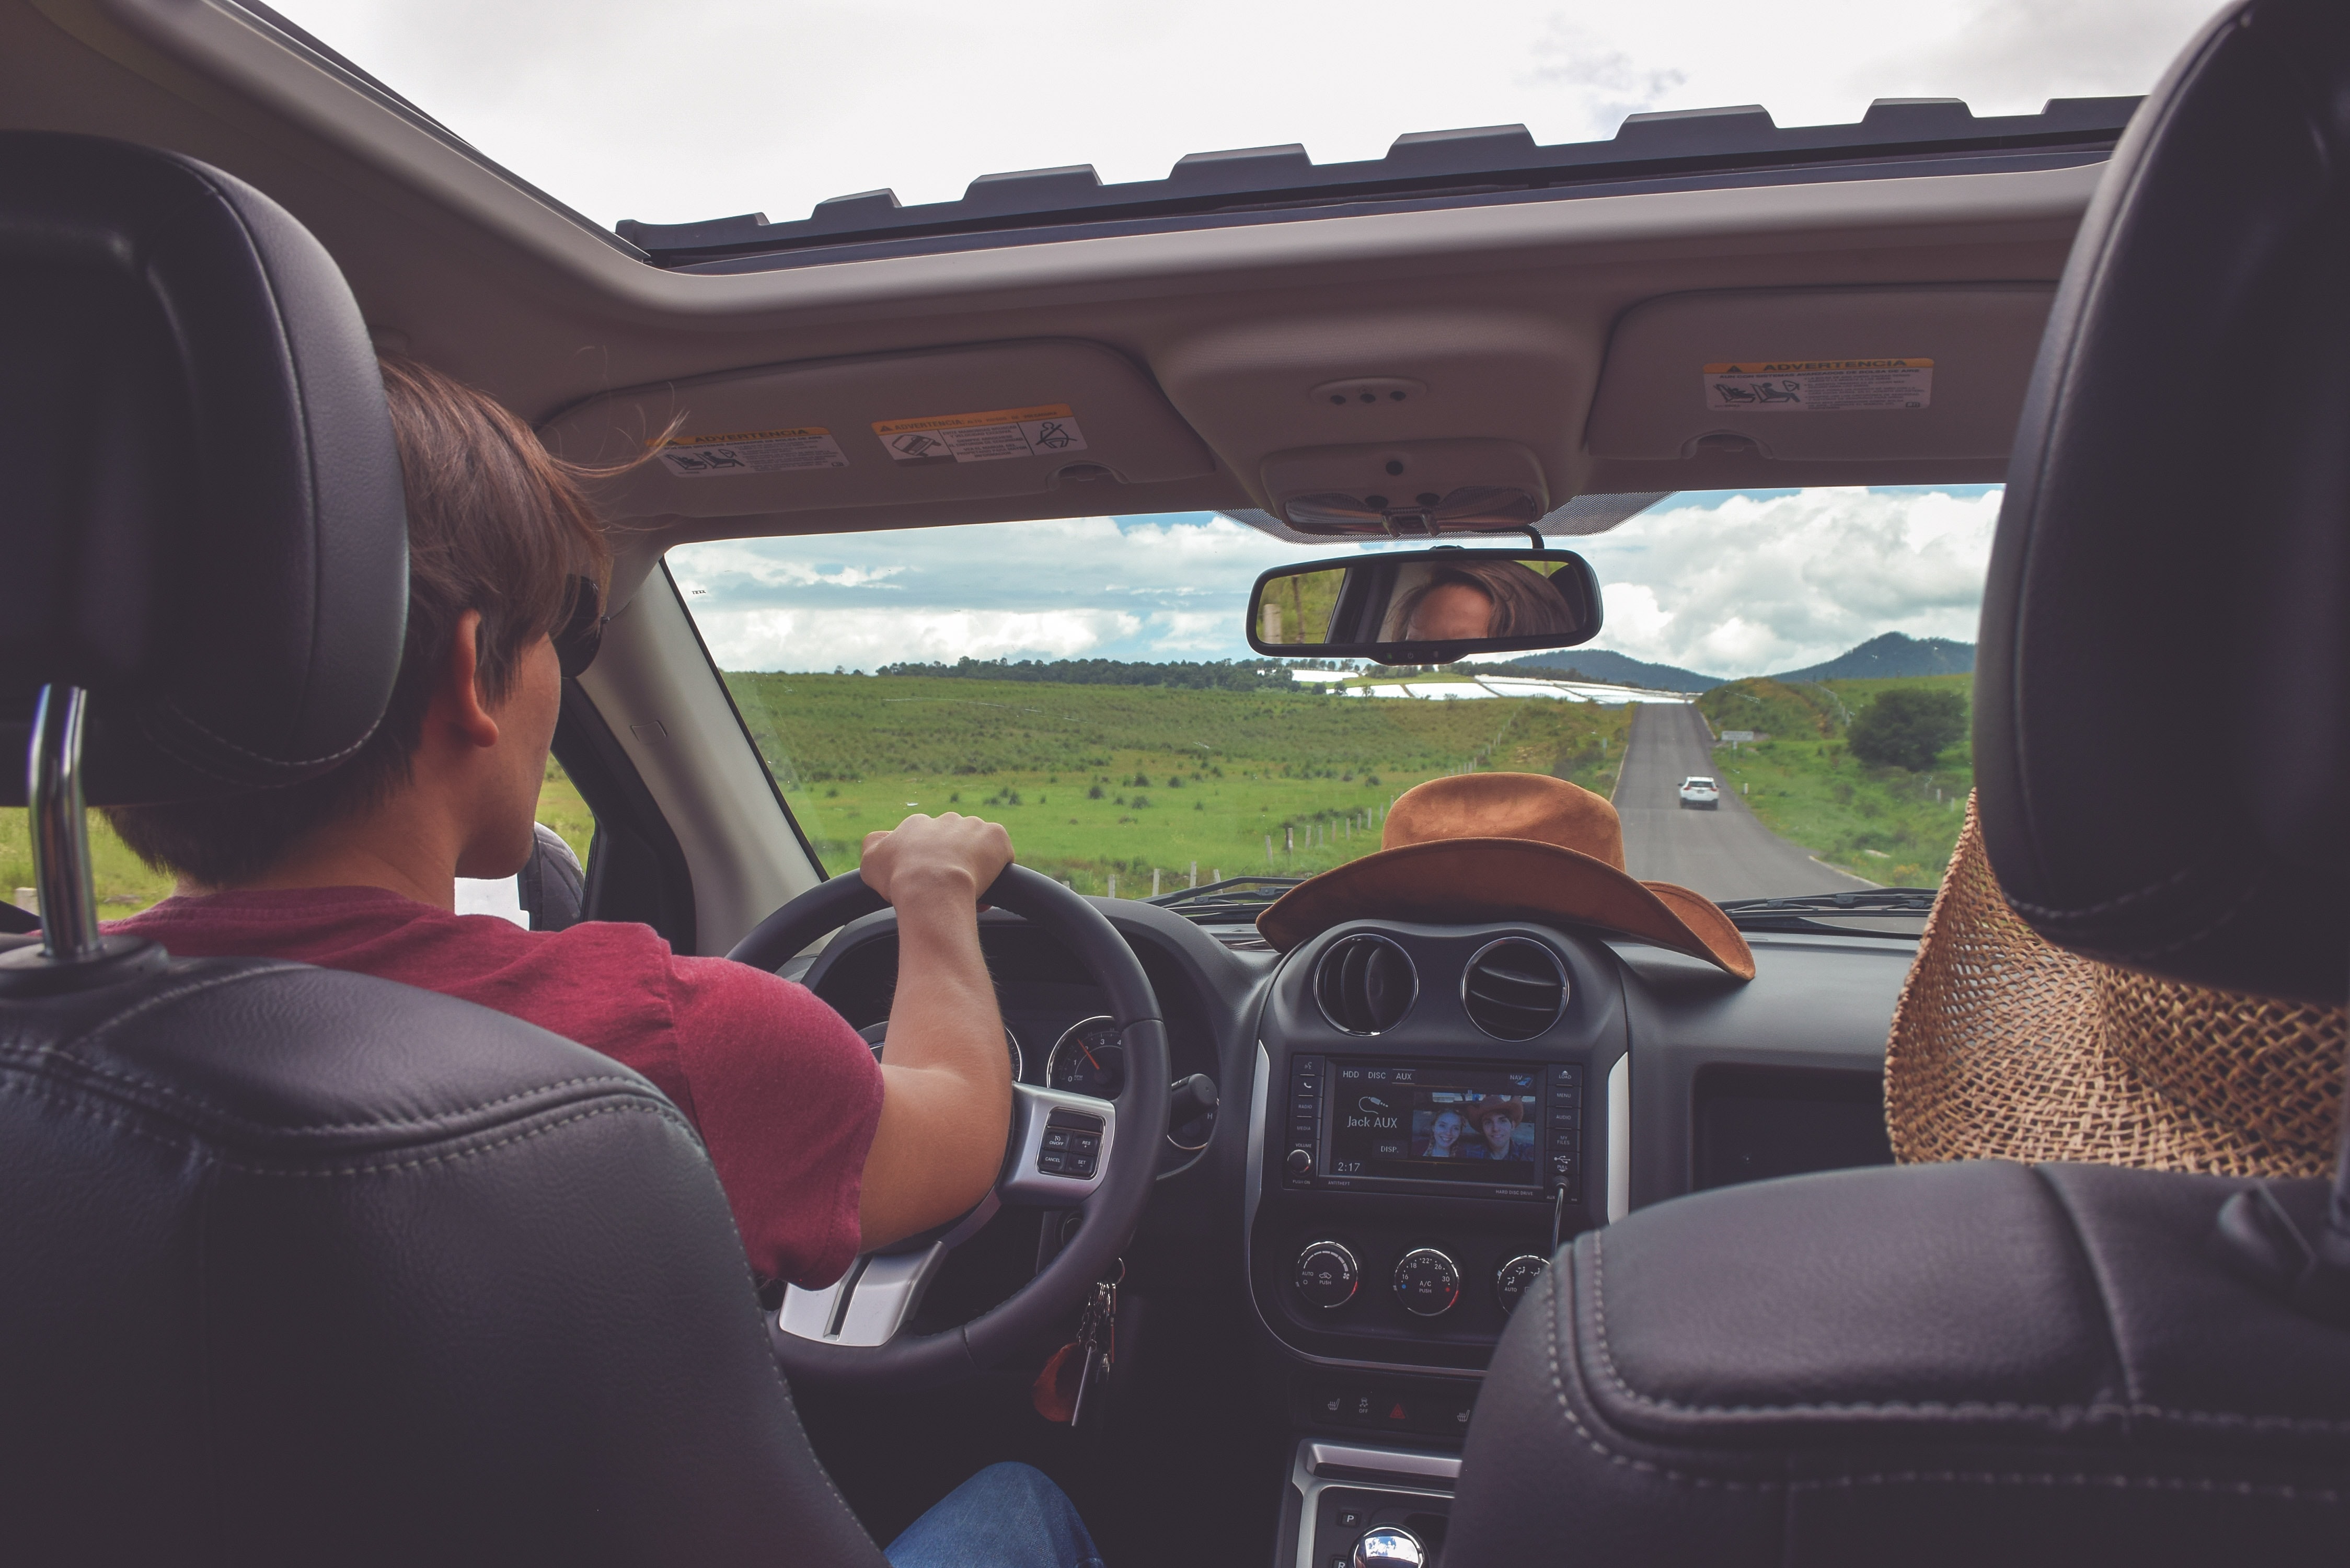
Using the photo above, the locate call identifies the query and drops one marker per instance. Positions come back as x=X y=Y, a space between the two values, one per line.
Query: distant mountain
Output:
x=1892 y=655
x=1614 y=669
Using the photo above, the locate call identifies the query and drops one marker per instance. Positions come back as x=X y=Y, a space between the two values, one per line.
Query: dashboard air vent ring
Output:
x=1365 y=983
x=1514 y=989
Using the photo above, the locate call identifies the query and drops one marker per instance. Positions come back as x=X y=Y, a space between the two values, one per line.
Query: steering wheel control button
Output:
x=1515 y=1278
x=1388 y=1546
x=1427 y=1283
x=1071 y=1145
x=1327 y=1276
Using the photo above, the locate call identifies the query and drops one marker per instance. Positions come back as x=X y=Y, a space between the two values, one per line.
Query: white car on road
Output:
x=1697 y=790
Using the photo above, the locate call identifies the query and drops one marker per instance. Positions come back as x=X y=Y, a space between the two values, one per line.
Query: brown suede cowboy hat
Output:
x=1485 y=846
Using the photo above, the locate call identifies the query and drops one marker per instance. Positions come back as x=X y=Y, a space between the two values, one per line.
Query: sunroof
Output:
x=697 y=109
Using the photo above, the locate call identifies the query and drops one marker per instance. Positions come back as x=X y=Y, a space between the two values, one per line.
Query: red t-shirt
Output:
x=786 y=1095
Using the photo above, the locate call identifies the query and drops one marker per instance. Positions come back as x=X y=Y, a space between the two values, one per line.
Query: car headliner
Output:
x=1504 y=312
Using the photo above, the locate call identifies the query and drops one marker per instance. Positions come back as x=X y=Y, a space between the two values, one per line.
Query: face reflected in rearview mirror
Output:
x=1426 y=607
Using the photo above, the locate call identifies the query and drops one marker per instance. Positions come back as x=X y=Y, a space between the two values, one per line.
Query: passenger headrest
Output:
x=204 y=521
x=2159 y=727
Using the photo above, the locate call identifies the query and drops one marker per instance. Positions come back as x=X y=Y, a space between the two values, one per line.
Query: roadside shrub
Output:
x=1095 y=792
x=1907 y=727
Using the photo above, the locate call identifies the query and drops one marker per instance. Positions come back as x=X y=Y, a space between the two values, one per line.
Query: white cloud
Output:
x=698 y=109
x=861 y=639
x=1730 y=584
x=1742 y=585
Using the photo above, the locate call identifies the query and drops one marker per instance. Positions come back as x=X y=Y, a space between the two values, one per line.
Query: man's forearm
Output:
x=944 y=1017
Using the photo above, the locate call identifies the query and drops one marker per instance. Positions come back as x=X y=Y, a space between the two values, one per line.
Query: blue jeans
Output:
x=1006 y=1516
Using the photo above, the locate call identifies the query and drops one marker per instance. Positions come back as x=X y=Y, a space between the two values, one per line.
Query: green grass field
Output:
x=1095 y=782
x=1888 y=824
x=126 y=885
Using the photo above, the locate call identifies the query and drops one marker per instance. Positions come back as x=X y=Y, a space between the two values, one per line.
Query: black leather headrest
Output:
x=2160 y=705
x=203 y=510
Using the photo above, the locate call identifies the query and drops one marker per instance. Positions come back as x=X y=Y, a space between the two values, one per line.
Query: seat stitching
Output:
x=1965 y=1409
x=118 y=1075
x=195 y=1144
x=281 y=763
x=2205 y=1484
x=196 y=987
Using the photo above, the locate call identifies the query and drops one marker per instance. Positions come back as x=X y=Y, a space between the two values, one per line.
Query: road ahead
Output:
x=1723 y=853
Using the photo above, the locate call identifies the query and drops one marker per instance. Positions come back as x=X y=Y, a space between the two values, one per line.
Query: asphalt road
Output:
x=1723 y=853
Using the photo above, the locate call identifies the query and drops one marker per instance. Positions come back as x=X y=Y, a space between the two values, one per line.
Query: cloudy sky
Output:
x=1727 y=584
x=698 y=109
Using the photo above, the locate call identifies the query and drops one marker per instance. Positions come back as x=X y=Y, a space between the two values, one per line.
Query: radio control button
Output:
x=1301 y=1162
x=1326 y=1275
x=1427 y=1283
x=1515 y=1278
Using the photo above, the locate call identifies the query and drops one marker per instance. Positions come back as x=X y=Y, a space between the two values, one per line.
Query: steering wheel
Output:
x=852 y=1331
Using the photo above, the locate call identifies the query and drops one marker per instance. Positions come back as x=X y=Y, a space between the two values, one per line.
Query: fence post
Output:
x=1154 y=881
x=1195 y=873
x=1113 y=884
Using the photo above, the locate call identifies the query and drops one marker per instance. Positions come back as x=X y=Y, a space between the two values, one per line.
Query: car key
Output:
x=1098 y=1353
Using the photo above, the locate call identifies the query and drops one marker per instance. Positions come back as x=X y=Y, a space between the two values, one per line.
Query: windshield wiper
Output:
x=1797 y=912
x=1234 y=900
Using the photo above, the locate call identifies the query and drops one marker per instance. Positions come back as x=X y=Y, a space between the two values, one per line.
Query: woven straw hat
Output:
x=2004 y=1046
x=1506 y=846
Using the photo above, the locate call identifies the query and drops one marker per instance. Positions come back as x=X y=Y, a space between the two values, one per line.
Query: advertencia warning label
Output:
x=752 y=451
x=1819 y=386
x=1045 y=430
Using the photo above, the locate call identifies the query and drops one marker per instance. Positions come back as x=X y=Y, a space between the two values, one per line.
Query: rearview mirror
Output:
x=1426 y=607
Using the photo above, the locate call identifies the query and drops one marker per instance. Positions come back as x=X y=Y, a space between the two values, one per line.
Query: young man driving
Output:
x=822 y=1152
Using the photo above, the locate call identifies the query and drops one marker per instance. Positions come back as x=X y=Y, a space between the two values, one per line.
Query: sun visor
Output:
x=990 y=420
x=1833 y=375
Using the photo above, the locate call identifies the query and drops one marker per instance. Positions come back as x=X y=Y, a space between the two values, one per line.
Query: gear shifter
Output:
x=1388 y=1546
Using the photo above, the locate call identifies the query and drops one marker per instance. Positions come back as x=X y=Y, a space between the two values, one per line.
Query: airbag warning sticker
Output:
x=1819 y=386
x=1045 y=430
x=752 y=451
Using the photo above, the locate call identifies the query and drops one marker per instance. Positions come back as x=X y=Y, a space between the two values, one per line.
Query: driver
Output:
x=822 y=1153
x=1462 y=601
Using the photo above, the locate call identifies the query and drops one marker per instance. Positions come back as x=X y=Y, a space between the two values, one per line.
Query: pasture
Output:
x=1097 y=782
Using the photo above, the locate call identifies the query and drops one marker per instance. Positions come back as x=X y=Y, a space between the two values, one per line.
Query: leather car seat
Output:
x=304 y=1267
x=1990 y=1361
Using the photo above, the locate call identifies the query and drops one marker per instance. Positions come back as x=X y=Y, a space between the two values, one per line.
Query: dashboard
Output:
x=1411 y=1119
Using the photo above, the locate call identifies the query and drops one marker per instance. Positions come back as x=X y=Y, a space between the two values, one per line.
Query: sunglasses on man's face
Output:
x=578 y=637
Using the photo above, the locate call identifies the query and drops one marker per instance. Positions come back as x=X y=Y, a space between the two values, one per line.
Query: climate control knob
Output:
x=1427 y=1283
x=1327 y=1276
x=1515 y=1278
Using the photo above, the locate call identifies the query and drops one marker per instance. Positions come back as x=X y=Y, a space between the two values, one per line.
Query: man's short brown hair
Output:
x=495 y=524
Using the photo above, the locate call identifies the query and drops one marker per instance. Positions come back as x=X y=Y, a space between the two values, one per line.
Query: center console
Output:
x=1433 y=1121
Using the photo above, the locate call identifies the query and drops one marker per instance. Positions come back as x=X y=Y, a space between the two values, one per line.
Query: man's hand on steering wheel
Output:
x=907 y=858
x=946 y=1090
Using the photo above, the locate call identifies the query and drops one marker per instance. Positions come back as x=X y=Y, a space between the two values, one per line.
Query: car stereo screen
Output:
x=1425 y=1122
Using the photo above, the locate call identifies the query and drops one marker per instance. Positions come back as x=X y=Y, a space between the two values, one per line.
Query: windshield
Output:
x=1087 y=682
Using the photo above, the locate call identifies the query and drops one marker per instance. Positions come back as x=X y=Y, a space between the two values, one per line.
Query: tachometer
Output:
x=1089 y=1058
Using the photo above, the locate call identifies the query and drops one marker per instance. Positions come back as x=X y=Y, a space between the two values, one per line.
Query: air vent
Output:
x=1364 y=984
x=1514 y=989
